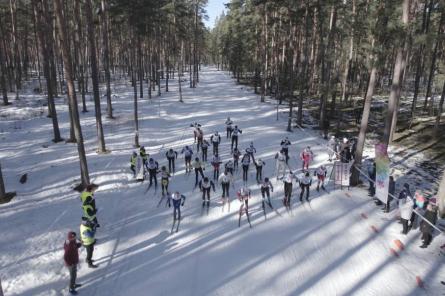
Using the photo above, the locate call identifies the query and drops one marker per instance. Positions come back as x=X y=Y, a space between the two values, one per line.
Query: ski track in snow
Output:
x=322 y=248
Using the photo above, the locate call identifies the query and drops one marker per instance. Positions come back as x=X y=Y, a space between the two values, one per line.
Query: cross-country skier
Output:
x=243 y=197
x=281 y=163
x=306 y=157
x=87 y=234
x=266 y=188
x=204 y=146
x=199 y=137
x=285 y=147
x=288 y=186
x=305 y=184
x=178 y=201
x=144 y=155
x=229 y=123
x=236 y=155
x=133 y=160
x=332 y=148
x=259 y=169
x=225 y=180
x=216 y=162
x=165 y=177
x=229 y=166
x=195 y=125
x=321 y=174
x=216 y=140
x=250 y=151
x=235 y=132
x=245 y=162
x=153 y=169
x=171 y=156
x=199 y=167
x=188 y=152
x=205 y=185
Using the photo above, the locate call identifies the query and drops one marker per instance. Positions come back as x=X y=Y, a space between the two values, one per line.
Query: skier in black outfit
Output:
x=216 y=162
x=216 y=140
x=204 y=146
x=188 y=152
x=285 y=147
x=229 y=166
x=200 y=137
x=229 y=123
x=236 y=156
x=204 y=186
x=288 y=186
x=245 y=162
x=235 y=132
x=259 y=169
x=198 y=170
x=305 y=184
x=250 y=151
x=266 y=188
x=372 y=175
x=171 y=156
x=165 y=176
x=426 y=228
x=153 y=169
x=225 y=180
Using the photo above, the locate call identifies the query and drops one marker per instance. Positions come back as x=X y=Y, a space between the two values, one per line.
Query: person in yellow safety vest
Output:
x=89 y=204
x=133 y=159
x=144 y=155
x=87 y=236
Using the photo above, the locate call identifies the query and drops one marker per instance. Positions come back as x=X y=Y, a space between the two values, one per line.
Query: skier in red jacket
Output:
x=71 y=258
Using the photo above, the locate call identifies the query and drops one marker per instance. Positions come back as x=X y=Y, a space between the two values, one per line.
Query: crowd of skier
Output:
x=224 y=174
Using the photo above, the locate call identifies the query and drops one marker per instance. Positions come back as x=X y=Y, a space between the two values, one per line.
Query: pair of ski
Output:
x=177 y=225
x=148 y=188
x=240 y=215
x=205 y=206
x=160 y=201
x=263 y=204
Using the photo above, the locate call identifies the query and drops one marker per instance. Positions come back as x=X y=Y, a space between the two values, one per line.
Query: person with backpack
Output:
x=165 y=179
x=204 y=147
x=321 y=174
x=205 y=185
x=225 y=179
x=243 y=197
x=245 y=162
x=178 y=201
x=71 y=259
x=133 y=160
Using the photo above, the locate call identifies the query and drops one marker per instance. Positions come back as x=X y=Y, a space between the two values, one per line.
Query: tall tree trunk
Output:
x=66 y=55
x=355 y=177
x=95 y=76
x=439 y=114
x=441 y=196
x=2 y=185
x=46 y=69
x=135 y=93
x=106 y=56
x=15 y=41
x=3 y=76
x=180 y=64
x=433 y=64
x=350 y=56
x=394 y=95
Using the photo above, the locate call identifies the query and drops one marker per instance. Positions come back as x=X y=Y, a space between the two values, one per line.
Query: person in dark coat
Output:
x=372 y=174
x=71 y=258
x=426 y=228
x=391 y=191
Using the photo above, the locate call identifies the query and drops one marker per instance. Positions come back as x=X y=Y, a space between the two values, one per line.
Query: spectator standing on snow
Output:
x=87 y=236
x=406 y=206
x=71 y=258
x=426 y=228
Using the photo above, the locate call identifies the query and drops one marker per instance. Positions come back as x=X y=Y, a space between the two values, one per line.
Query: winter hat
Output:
x=406 y=185
x=71 y=235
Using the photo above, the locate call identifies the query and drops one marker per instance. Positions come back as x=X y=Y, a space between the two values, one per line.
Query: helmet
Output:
x=171 y=150
x=197 y=158
x=134 y=153
x=307 y=174
x=206 y=179
x=266 y=179
x=142 y=148
x=151 y=160
x=71 y=235
x=186 y=147
x=236 y=126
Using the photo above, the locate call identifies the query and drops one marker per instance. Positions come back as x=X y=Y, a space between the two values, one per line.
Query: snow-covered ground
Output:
x=325 y=248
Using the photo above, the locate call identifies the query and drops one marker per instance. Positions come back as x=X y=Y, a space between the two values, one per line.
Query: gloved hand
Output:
x=182 y=204
x=169 y=205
